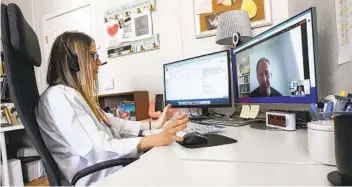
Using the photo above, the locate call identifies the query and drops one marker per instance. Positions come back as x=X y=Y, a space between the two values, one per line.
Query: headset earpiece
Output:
x=72 y=59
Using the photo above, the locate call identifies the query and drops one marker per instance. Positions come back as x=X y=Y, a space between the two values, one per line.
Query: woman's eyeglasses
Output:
x=95 y=56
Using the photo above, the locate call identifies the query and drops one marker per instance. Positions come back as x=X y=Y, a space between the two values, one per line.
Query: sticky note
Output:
x=343 y=93
x=245 y=112
x=254 y=111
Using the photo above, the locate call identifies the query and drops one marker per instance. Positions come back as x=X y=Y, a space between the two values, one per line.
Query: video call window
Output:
x=278 y=66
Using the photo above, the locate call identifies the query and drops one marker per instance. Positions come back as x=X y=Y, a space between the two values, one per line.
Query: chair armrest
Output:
x=100 y=166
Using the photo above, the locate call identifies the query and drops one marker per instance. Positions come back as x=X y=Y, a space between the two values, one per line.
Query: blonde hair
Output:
x=76 y=44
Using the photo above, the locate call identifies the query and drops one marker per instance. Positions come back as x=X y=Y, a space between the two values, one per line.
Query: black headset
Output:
x=72 y=59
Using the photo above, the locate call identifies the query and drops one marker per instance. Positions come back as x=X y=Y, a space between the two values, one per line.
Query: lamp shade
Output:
x=231 y=22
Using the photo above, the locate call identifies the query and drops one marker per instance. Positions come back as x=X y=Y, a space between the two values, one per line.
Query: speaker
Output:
x=343 y=151
x=159 y=102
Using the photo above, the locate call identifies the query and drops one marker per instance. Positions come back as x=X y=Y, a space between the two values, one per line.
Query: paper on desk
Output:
x=254 y=111
x=245 y=112
x=203 y=6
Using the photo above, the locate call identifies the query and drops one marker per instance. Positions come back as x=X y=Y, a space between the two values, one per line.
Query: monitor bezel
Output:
x=312 y=11
x=228 y=52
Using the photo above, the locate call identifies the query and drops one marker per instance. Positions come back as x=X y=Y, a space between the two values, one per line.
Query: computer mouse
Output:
x=194 y=138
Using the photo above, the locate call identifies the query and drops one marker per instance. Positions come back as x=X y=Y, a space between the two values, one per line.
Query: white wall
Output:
x=142 y=71
x=41 y=9
x=26 y=7
x=331 y=78
x=175 y=23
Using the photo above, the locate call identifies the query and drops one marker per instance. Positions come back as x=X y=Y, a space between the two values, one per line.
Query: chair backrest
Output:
x=21 y=53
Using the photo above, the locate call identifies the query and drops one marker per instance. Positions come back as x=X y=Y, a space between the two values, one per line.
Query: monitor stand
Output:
x=205 y=112
x=205 y=115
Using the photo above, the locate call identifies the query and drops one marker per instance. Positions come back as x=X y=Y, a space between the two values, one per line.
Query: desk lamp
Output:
x=233 y=28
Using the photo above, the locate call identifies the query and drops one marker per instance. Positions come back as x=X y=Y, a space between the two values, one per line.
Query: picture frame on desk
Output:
x=206 y=23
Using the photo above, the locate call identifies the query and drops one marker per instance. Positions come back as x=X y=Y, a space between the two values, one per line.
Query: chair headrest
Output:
x=22 y=36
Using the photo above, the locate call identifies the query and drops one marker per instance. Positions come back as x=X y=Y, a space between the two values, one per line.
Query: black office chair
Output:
x=21 y=53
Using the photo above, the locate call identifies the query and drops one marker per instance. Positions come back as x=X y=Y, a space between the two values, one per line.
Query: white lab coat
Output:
x=75 y=137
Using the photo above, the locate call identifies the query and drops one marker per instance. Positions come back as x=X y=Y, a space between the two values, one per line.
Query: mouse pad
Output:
x=213 y=140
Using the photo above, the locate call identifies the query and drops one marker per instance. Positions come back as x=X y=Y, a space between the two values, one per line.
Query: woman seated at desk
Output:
x=79 y=134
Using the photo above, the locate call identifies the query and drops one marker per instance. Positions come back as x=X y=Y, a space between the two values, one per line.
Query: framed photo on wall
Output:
x=207 y=12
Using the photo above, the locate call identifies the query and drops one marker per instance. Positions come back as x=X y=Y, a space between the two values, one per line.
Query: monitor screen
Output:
x=278 y=66
x=202 y=81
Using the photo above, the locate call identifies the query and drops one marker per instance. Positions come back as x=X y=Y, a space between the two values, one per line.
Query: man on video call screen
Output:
x=264 y=76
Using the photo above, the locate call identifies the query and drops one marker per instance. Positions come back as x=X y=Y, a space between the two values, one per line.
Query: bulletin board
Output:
x=207 y=12
x=129 y=29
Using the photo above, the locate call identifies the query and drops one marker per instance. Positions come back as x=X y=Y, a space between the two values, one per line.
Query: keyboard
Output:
x=202 y=128
x=191 y=127
x=199 y=118
x=232 y=121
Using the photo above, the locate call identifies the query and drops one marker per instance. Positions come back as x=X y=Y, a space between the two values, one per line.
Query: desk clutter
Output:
x=125 y=110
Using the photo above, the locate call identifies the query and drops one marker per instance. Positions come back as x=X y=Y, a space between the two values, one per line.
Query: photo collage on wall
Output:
x=129 y=29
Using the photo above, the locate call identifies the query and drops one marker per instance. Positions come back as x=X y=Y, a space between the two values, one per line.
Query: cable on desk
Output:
x=216 y=114
x=261 y=112
x=198 y=112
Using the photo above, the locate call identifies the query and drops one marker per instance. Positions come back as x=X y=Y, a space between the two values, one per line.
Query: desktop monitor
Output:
x=199 y=82
x=278 y=66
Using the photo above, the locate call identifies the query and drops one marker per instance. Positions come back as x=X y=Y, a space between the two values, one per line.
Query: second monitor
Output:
x=199 y=82
x=278 y=66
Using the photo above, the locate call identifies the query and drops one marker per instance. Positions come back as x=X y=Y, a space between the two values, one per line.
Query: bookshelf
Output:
x=5 y=94
x=244 y=80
